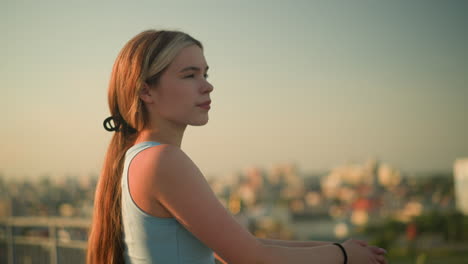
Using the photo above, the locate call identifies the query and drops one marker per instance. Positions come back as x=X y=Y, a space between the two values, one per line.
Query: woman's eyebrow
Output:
x=193 y=68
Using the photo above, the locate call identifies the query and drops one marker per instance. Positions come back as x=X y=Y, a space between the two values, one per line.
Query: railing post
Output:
x=53 y=243
x=11 y=250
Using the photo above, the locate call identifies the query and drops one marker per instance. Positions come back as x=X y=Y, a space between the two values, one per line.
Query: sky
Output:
x=314 y=83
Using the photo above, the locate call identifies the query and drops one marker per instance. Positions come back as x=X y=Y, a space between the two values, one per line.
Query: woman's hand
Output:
x=359 y=252
x=380 y=252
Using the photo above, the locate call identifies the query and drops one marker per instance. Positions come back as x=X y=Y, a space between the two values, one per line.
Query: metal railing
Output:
x=43 y=240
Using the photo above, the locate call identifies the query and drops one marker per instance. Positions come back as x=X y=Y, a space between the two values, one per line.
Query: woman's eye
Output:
x=193 y=75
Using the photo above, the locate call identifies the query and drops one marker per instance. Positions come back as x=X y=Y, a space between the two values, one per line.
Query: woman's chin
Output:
x=200 y=122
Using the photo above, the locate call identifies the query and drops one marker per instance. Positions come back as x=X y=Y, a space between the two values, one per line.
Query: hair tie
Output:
x=109 y=126
x=118 y=125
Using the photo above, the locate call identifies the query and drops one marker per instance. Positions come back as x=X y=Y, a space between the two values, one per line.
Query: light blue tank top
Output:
x=150 y=239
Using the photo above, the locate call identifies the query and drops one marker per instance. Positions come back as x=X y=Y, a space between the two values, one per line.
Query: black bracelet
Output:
x=344 y=252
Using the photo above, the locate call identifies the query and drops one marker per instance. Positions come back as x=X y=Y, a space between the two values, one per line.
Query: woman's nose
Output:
x=208 y=87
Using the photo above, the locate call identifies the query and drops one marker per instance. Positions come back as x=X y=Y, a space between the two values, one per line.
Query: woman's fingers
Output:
x=379 y=254
x=378 y=250
x=381 y=259
x=361 y=242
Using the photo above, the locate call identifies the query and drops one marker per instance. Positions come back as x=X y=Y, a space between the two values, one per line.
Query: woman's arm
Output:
x=284 y=243
x=287 y=243
x=355 y=251
x=178 y=184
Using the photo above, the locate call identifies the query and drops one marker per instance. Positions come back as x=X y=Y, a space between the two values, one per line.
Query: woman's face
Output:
x=182 y=87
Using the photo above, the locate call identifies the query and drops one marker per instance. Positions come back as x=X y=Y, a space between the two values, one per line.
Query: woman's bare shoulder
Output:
x=178 y=184
x=160 y=160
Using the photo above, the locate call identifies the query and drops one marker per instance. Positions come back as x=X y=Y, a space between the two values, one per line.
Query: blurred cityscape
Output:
x=418 y=218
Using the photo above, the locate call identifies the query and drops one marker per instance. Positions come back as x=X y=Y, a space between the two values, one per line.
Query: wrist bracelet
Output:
x=344 y=252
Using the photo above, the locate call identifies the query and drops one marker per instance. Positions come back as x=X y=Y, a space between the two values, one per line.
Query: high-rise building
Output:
x=460 y=171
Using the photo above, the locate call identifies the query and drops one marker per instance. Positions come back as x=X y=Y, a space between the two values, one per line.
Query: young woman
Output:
x=152 y=203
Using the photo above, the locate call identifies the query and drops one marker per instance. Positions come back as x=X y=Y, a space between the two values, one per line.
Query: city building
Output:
x=460 y=172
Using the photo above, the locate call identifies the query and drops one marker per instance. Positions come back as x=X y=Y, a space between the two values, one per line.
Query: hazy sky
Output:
x=318 y=83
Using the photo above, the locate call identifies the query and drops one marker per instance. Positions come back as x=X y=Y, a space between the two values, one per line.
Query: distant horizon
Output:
x=305 y=173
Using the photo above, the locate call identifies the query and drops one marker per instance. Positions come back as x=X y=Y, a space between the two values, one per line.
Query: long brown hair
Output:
x=142 y=60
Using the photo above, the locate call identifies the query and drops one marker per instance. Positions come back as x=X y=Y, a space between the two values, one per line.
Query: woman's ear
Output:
x=147 y=94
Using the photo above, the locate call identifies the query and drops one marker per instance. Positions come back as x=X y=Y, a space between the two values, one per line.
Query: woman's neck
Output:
x=166 y=136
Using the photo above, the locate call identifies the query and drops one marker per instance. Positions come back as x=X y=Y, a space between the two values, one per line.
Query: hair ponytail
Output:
x=105 y=236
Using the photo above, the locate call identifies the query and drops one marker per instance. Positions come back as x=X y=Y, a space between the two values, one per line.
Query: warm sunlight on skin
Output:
x=174 y=102
x=182 y=88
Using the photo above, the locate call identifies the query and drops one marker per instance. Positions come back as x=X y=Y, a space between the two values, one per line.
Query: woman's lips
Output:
x=205 y=106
